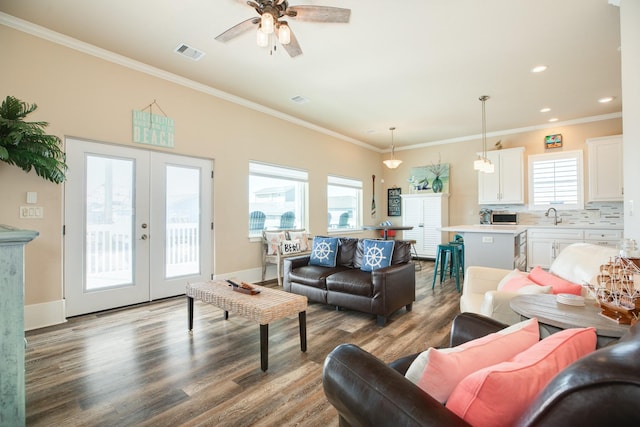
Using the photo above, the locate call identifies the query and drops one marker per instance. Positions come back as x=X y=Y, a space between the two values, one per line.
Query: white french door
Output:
x=137 y=225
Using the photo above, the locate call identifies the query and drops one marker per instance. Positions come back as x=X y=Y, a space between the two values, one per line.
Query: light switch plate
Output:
x=31 y=212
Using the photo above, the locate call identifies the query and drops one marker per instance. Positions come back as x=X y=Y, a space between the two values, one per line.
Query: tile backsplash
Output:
x=594 y=214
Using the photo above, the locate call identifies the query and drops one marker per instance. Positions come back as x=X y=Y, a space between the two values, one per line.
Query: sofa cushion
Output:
x=559 y=285
x=500 y=394
x=313 y=275
x=438 y=371
x=401 y=252
x=523 y=285
x=377 y=254
x=324 y=251
x=346 y=251
x=353 y=281
x=512 y=274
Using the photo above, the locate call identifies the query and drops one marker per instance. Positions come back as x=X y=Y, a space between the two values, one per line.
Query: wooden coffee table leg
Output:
x=302 y=319
x=264 y=347
x=190 y=312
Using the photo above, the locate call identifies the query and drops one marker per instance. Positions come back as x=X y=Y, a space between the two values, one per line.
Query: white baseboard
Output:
x=53 y=312
x=251 y=275
x=44 y=314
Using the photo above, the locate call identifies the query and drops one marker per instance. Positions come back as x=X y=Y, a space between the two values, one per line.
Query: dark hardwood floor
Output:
x=140 y=366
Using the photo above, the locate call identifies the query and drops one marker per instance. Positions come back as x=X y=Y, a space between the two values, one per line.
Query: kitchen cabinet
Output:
x=427 y=214
x=544 y=244
x=605 y=169
x=506 y=184
x=604 y=237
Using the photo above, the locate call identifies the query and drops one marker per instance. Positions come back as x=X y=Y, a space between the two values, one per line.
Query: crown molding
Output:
x=89 y=49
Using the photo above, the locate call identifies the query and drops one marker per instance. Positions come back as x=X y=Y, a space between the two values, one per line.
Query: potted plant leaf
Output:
x=26 y=145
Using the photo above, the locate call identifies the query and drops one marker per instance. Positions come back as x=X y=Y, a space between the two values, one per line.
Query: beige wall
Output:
x=463 y=185
x=87 y=97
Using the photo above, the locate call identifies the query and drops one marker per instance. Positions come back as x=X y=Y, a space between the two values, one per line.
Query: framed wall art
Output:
x=394 y=203
x=553 y=141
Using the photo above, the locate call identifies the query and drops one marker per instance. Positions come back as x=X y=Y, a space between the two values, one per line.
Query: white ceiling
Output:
x=418 y=65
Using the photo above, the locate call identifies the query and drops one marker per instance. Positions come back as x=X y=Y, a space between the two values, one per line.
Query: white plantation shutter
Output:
x=555 y=180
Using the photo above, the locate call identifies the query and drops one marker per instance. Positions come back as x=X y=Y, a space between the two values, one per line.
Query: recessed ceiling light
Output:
x=553 y=119
x=538 y=68
x=545 y=110
x=606 y=99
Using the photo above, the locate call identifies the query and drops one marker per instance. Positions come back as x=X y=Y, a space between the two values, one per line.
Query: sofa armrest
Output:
x=393 y=287
x=366 y=392
x=496 y=305
x=482 y=279
x=293 y=262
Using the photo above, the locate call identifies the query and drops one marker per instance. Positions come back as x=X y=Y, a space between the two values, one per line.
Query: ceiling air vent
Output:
x=299 y=99
x=189 y=52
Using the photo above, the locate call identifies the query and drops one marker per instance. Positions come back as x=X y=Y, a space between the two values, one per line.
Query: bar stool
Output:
x=447 y=252
x=414 y=255
x=459 y=240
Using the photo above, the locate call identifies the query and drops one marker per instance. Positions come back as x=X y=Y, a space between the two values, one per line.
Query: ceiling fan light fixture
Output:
x=267 y=23
x=392 y=163
x=262 y=39
x=284 y=33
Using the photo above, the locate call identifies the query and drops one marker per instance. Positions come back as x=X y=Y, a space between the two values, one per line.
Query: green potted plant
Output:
x=26 y=145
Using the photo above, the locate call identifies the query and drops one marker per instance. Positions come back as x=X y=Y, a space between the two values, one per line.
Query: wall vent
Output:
x=189 y=52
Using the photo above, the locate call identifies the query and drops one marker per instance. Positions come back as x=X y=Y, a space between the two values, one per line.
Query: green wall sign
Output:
x=153 y=129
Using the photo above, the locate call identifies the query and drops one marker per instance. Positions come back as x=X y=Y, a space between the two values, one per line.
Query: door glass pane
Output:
x=109 y=212
x=182 y=251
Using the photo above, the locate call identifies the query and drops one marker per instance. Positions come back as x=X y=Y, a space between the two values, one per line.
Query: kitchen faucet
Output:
x=556 y=221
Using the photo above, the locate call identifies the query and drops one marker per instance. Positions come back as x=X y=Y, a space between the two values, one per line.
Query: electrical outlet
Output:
x=487 y=239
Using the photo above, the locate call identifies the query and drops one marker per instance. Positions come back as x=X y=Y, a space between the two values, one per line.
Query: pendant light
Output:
x=392 y=163
x=483 y=164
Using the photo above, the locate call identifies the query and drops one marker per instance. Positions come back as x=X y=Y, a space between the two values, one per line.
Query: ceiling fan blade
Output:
x=319 y=13
x=238 y=29
x=293 y=48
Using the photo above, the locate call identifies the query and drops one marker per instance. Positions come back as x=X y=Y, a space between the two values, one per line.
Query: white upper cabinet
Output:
x=605 y=169
x=506 y=184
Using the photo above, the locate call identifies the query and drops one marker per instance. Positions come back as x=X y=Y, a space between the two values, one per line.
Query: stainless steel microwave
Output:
x=504 y=218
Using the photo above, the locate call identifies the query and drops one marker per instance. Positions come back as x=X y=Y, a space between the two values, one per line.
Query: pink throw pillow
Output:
x=558 y=284
x=445 y=368
x=517 y=283
x=500 y=394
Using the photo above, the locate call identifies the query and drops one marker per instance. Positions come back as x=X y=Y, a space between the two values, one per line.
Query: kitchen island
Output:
x=498 y=246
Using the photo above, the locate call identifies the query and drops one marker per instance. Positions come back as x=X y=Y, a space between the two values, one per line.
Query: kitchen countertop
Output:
x=516 y=229
x=486 y=228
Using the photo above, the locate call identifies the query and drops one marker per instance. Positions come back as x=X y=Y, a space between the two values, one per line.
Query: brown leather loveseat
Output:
x=601 y=388
x=380 y=292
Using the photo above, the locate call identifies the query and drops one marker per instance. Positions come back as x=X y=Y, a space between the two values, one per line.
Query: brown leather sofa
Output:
x=380 y=292
x=602 y=388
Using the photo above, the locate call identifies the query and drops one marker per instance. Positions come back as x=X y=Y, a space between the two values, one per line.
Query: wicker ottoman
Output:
x=263 y=308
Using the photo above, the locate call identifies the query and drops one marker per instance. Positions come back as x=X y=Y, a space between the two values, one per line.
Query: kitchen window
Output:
x=555 y=180
x=277 y=198
x=344 y=201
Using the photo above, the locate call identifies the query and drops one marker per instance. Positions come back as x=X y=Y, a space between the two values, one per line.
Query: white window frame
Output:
x=355 y=222
x=577 y=179
x=298 y=177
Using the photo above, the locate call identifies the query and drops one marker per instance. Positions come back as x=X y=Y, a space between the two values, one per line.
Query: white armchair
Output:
x=578 y=263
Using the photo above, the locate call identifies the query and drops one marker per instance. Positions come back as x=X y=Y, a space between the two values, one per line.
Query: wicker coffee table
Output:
x=263 y=308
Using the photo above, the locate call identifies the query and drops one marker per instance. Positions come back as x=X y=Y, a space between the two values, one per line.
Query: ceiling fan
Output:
x=269 y=23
